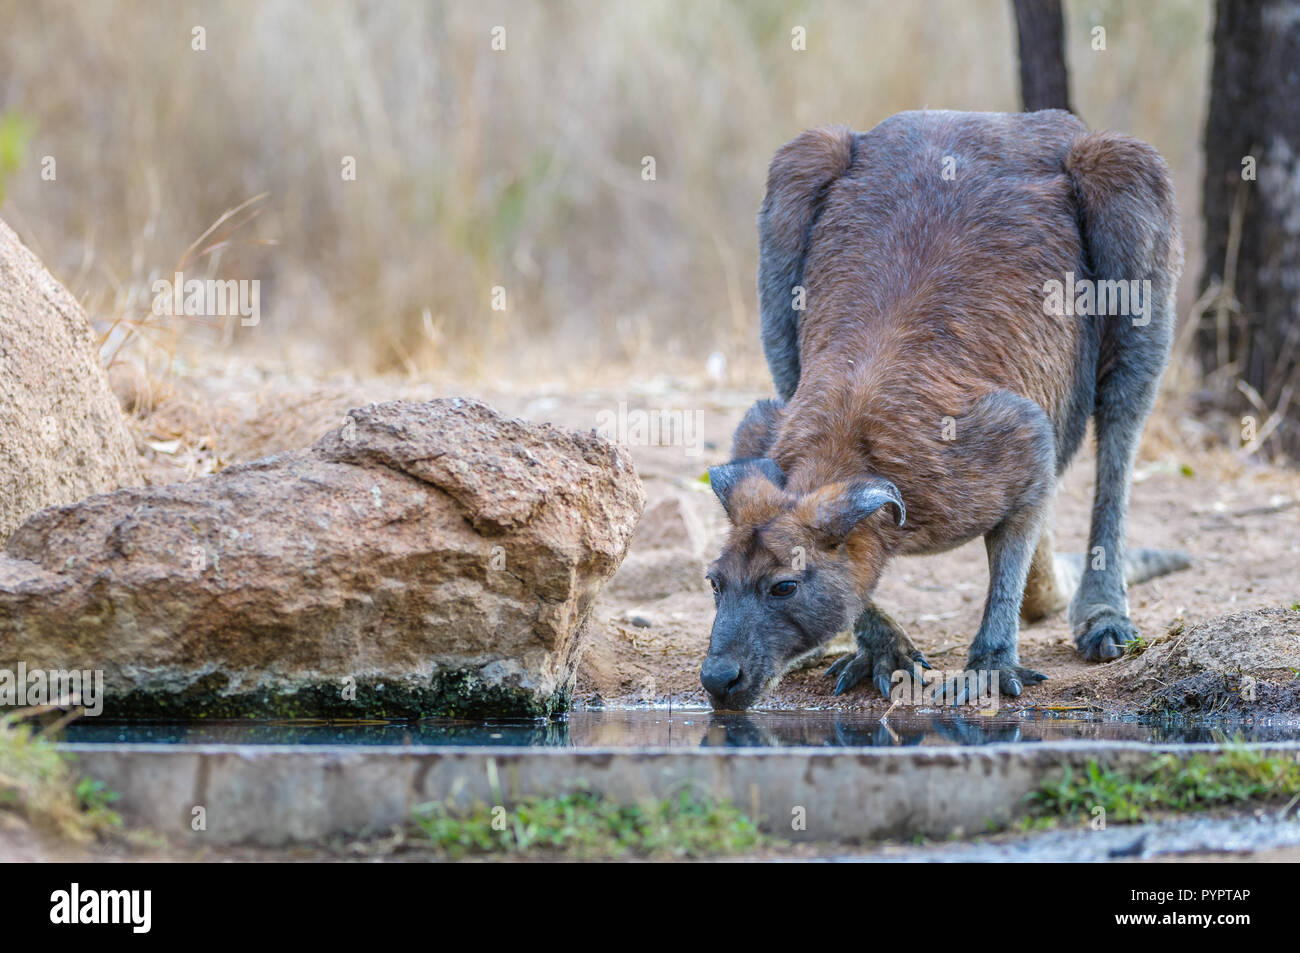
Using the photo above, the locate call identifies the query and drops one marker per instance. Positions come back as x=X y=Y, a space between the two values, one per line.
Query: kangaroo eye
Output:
x=784 y=589
x=714 y=583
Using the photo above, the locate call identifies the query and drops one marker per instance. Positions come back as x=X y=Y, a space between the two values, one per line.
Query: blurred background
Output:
x=479 y=168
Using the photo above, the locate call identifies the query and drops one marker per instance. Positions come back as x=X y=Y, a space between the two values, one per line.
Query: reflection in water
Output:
x=640 y=728
x=829 y=729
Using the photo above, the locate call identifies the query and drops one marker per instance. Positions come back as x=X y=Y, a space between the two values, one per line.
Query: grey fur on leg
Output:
x=996 y=646
x=1016 y=425
x=1099 y=611
x=883 y=649
x=1129 y=226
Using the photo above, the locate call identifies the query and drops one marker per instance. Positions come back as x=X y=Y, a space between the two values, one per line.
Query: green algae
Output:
x=457 y=693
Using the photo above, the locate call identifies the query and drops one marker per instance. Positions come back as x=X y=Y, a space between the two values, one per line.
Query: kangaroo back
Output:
x=797 y=181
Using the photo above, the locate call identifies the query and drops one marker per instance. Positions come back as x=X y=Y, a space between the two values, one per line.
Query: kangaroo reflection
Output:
x=854 y=730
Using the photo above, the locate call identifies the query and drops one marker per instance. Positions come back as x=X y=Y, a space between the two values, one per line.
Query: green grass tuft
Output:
x=37 y=783
x=586 y=825
x=15 y=133
x=1136 y=647
x=1235 y=776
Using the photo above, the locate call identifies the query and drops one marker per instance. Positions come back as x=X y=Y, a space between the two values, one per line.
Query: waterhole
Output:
x=692 y=728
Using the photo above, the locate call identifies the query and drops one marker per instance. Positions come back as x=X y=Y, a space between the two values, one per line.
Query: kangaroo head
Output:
x=795 y=570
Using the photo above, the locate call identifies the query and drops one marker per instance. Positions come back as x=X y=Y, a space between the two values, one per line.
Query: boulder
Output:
x=422 y=558
x=62 y=435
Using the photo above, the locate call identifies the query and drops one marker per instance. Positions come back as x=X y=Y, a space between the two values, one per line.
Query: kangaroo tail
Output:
x=1140 y=565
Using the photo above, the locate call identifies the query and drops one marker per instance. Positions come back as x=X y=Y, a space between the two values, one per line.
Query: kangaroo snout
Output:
x=719 y=676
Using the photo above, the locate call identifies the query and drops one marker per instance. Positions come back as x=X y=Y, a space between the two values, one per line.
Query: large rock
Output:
x=423 y=558
x=61 y=431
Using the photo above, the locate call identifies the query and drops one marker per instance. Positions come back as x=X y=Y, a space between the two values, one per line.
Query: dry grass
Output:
x=519 y=168
x=479 y=168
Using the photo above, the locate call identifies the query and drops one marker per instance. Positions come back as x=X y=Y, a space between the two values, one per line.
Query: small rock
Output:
x=646 y=576
x=670 y=523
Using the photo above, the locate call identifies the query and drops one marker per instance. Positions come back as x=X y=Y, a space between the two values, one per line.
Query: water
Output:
x=686 y=728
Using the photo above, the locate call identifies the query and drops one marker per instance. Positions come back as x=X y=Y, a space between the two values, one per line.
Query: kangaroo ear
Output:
x=842 y=515
x=726 y=477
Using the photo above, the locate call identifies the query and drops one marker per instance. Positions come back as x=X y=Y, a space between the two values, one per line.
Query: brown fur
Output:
x=899 y=287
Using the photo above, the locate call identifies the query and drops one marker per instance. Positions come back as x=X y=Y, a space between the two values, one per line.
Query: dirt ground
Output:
x=1238 y=519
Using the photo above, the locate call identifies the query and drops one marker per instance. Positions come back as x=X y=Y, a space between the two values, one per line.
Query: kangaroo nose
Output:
x=719 y=676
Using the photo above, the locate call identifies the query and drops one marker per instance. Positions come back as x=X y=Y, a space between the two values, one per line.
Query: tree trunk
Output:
x=1044 y=83
x=1251 y=200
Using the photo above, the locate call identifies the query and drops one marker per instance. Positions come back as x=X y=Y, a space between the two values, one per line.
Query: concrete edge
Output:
x=279 y=794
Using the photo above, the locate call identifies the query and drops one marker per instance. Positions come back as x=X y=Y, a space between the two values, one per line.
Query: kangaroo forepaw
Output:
x=1104 y=634
x=977 y=681
x=880 y=666
x=883 y=650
